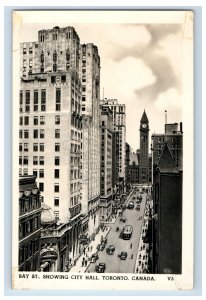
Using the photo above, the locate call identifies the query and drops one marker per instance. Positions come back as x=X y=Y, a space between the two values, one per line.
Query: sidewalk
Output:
x=141 y=263
x=89 y=250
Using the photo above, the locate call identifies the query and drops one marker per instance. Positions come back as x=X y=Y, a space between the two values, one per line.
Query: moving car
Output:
x=123 y=255
x=100 y=268
x=94 y=257
x=110 y=250
x=130 y=205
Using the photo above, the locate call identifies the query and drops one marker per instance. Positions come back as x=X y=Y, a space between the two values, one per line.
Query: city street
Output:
x=113 y=262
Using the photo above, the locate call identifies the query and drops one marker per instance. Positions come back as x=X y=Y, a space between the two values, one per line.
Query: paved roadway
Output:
x=113 y=262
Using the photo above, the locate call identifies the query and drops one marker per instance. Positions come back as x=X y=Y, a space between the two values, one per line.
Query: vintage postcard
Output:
x=103 y=150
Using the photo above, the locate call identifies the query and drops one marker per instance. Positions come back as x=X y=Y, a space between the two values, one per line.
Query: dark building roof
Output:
x=166 y=162
x=144 y=117
x=27 y=182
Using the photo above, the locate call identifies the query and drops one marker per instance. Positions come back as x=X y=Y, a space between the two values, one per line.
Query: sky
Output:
x=141 y=66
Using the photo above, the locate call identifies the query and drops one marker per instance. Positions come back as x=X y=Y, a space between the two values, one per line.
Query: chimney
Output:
x=181 y=127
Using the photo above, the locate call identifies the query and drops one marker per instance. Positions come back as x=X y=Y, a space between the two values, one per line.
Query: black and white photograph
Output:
x=103 y=149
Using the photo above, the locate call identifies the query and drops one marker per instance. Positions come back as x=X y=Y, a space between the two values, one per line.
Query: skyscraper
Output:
x=119 y=125
x=90 y=75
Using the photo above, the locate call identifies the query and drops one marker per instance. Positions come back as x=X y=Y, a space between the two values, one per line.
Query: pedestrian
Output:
x=84 y=251
x=85 y=263
x=132 y=256
x=91 y=248
x=140 y=256
x=139 y=262
x=82 y=263
x=131 y=246
x=137 y=269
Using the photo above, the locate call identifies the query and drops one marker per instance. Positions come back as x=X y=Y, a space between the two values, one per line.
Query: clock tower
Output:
x=144 y=149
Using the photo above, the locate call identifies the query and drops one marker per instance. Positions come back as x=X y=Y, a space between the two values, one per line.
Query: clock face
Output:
x=144 y=125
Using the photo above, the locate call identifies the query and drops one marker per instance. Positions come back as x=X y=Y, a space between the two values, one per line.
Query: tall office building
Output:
x=106 y=191
x=90 y=76
x=144 y=150
x=119 y=125
x=173 y=136
x=51 y=122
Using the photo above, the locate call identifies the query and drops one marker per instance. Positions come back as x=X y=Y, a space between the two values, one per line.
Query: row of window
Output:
x=29 y=203
x=36 y=100
x=28 y=227
x=25 y=252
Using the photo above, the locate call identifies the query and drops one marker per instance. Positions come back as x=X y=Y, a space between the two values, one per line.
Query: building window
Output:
x=26 y=134
x=35 y=100
x=35 y=120
x=41 y=160
x=41 y=133
x=26 y=147
x=83 y=98
x=57 y=147
x=58 y=99
x=26 y=171
x=26 y=120
x=35 y=172
x=43 y=100
x=41 y=147
x=20 y=160
x=35 y=147
x=41 y=173
x=20 y=120
x=63 y=78
x=42 y=57
x=53 y=79
x=35 y=160
x=56 y=188
x=57 y=133
x=56 y=201
x=35 y=134
x=56 y=173
x=56 y=214
x=57 y=161
x=27 y=103
x=41 y=186
x=57 y=120
x=54 y=67
x=20 y=134
x=20 y=147
x=42 y=120
x=55 y=56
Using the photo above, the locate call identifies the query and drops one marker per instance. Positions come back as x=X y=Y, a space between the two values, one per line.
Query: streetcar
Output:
x=127 y=232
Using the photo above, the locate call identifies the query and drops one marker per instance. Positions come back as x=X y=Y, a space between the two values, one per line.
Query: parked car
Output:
x=102 y=246
x=100 y=268
x=104 y=241
x=110 y=250
x=123 y=255
x=94 y=257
